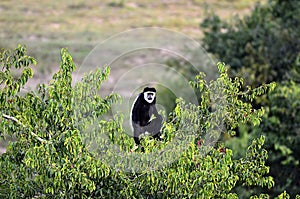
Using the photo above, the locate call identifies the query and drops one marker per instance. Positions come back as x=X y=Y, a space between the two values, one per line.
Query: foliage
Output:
x=263 y=46
x=280 y=124
x=50 y=157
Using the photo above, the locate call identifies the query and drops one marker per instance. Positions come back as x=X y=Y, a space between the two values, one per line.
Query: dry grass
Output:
x=46 y=26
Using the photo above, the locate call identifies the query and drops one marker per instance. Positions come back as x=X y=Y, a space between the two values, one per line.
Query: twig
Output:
x=21 y=124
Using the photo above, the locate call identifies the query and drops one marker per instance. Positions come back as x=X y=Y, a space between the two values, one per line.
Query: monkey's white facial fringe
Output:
x=149 y=96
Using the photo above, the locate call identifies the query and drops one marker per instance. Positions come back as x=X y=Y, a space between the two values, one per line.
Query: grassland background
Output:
x=46 y=26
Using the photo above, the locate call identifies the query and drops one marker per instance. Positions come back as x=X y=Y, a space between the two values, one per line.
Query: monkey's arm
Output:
x=155 y=113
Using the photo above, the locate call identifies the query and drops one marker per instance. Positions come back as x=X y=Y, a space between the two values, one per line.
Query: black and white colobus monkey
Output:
x=144 y=115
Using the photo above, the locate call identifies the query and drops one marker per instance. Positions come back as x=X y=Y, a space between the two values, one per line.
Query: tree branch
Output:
x=21 y=124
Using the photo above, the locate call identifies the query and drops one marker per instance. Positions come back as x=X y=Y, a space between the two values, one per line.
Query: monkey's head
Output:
x=149 y=95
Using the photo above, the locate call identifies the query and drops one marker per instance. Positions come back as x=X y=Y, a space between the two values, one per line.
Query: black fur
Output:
x=141 y=115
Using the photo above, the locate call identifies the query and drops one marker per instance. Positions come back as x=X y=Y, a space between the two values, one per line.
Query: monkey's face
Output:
x=149 y=96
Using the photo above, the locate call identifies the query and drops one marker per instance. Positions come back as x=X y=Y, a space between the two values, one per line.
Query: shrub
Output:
x=50 y=159
x=263 y=46
x=280 y=125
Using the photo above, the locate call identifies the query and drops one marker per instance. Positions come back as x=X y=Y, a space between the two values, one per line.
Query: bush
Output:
x=263 y=46
x=281 y=127
x=50 y=159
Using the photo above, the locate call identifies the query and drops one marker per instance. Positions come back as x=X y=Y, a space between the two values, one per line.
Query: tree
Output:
x=264 y=47
x=280 y=125
x=50 y=159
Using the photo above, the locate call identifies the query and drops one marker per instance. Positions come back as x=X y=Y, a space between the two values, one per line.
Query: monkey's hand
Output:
x=152 y=117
